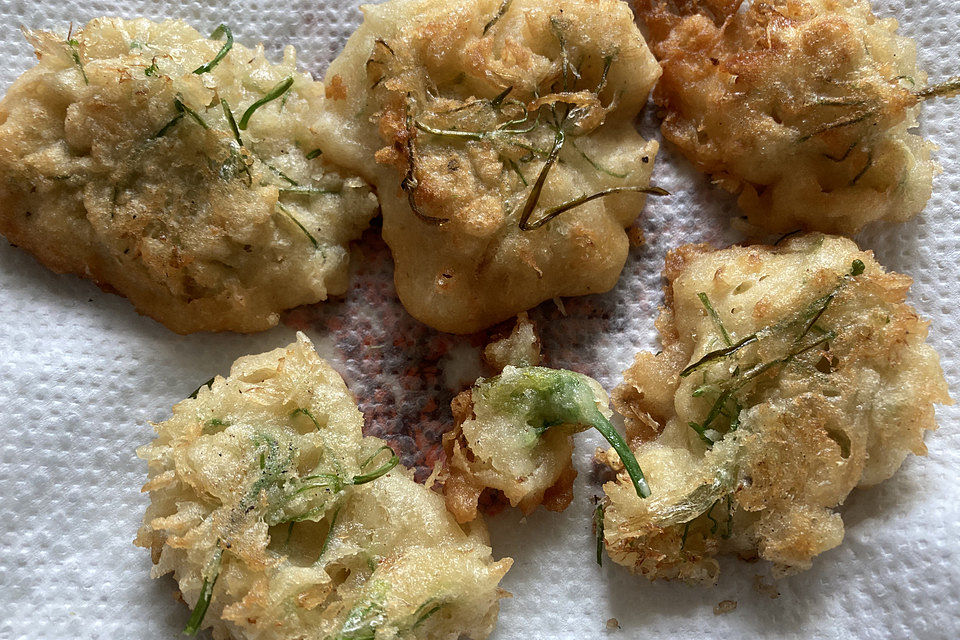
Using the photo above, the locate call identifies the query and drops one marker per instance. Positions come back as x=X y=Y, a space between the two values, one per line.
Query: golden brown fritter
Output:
x=514 y=436
x=133 y=155
x=789 y=375
x=802 y=107
x=482 y=125
x=279 y=520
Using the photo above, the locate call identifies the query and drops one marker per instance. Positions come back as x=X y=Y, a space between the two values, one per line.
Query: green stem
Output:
x=281 y=88
x=224 y=50
x=206 y=595
x=553 y=212
x=607 y=430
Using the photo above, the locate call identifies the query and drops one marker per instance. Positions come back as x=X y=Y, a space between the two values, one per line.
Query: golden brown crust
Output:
x=120 y=165
x=833 y=387
x=802 y=107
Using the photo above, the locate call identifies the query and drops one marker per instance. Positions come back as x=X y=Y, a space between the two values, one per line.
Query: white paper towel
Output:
x=81 y=374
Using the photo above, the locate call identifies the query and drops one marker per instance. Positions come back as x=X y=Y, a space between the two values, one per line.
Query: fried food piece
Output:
x=280 y=521
x=134 y=154
x=789 y=375
x=514 y=434
x=487 y=127
x=802 y=107
x=519 y=348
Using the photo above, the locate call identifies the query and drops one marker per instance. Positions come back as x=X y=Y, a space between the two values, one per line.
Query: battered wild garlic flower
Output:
x=500 y=136
x=789 y=376
x=179 y=171
x=804 y=108
x=279 y=520
x=514 y=434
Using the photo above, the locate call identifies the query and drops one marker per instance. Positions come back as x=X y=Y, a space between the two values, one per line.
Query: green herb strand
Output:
x=946 y=89
x=500 y=12
x=231 y=121
x=379 y=471
x=293 y=218
x=224 y=50
x=182 y=108
x=619 y=445
x=281 y=88
x=208 y=383
x=705 y=301
x=553 y=212
x=75 y=53
x=718 y=354
x=206 y=595
x=306 y=412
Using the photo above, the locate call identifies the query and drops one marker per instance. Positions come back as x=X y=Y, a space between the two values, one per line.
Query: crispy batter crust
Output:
x=802 y=107
x=452 y=110
x=836 y=389
x=118 y=163
x=257 y=485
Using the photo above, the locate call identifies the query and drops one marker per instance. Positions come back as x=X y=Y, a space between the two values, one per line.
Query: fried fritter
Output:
x=280 y=521
x=514 y=434
x=135 y=154
x=802 y=107
x=501 y=140
x=789 y=375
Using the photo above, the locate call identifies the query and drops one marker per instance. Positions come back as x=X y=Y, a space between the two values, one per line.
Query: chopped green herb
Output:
x=718 y=354
x=208 y=383
x=281 y=88
x=329 y=533
x=837 y=124
x=153 y=70
x=306 y=412
x=231 y=121
x=705 y=301
x=224 y=50
x=516 y=169
x=314 y=154
x=75 y=53
x=365 y=617
x=286 y=212
x=379 y=471
x=206 y=593
x=182 y=108
x=553 y=212
x=424 y=612
x=167 y=127
x=595 y=164
x=500 y=12
x=410 y=183
x=281 y=174
x=946 y=88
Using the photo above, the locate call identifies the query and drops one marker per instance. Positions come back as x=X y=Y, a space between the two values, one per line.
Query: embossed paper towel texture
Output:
x=81 y=374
